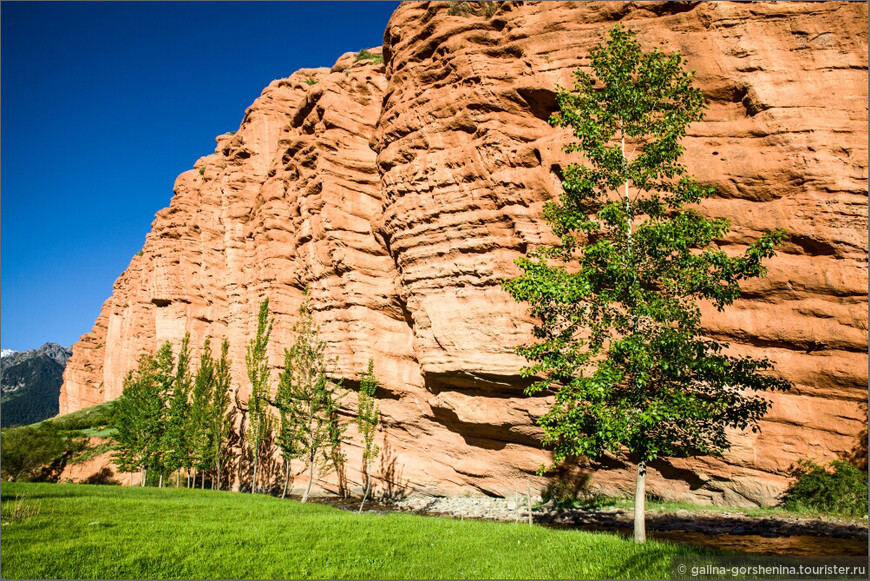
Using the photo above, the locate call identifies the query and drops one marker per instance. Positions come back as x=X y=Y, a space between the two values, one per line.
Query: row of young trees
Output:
x=169 y=418
x=620 y=345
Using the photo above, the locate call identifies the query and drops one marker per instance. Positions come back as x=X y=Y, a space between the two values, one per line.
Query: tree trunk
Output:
x=143 y=477
x=310 y=477
x=529 y=501
x=366 y=490
x=160 y=483
x=178 y=479
x=639 y=500
x=203 y=479
x=254 y=481
x=286 y=479
x=218 y=470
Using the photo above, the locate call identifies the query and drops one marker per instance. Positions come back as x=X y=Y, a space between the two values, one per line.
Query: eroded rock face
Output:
x=401 y=193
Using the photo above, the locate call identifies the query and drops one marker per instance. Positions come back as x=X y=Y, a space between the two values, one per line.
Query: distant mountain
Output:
x=30 y=383
x=7 y=352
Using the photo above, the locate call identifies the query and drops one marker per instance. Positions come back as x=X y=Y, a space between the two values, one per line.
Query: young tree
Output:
x=259 y=415
x=199 y=421
x=219 y=422
x=130 y=439
x=288 y=431
x=367 y=419
x=158 y=448
x=309 y=399
x=33 y=451
x=176 y=441
x=620 y=339
x=334 y=457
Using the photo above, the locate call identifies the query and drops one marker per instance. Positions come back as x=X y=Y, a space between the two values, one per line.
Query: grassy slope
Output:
x=90 y=421
x=160 y=533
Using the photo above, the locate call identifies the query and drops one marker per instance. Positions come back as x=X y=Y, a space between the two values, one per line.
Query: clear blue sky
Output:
x=103 y=104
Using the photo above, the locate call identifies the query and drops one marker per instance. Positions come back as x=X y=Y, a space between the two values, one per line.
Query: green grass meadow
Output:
x=81 y=531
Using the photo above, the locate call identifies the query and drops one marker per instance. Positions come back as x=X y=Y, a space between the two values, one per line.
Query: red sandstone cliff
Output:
x=401 y=193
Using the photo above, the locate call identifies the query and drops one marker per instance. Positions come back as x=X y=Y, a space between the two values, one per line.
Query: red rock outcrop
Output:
x=401 y=193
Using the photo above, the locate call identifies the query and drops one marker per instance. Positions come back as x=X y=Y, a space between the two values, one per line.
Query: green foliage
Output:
x=33 y=452
x=367 y=55
x=202 y=171
x=198 y=424
x=139 y=418
x=167 y=419
x=230 y=133
x=486 y=8
x=145 y=533
x=91 y=452
x=177 y=441
x=219 y=415
x=310 y=81
x=620 y=339
x=308 y=401
x=140 y=253
x=257 y=362
x=838 y=488
x=368 y=417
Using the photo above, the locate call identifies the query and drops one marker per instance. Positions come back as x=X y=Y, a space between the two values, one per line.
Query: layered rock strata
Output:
x=400 y=193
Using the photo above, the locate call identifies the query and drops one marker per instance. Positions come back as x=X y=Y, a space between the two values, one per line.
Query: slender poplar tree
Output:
x=288 y=431
x=159 y=446
x=259 y=414
x=620 y=342
x=176 y=443
x=310 y=400
x=198 y=424
x=368 y=418
x=219 y=410
x=131 y=435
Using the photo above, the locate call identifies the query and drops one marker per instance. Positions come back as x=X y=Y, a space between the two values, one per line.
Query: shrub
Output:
x=91 y=452
x=311 y=81
x=365 y=55
x=838 y=488
x=487 y=9
x=140 y=253
x=202 y=171
x=230 y=133
x=36 y=452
